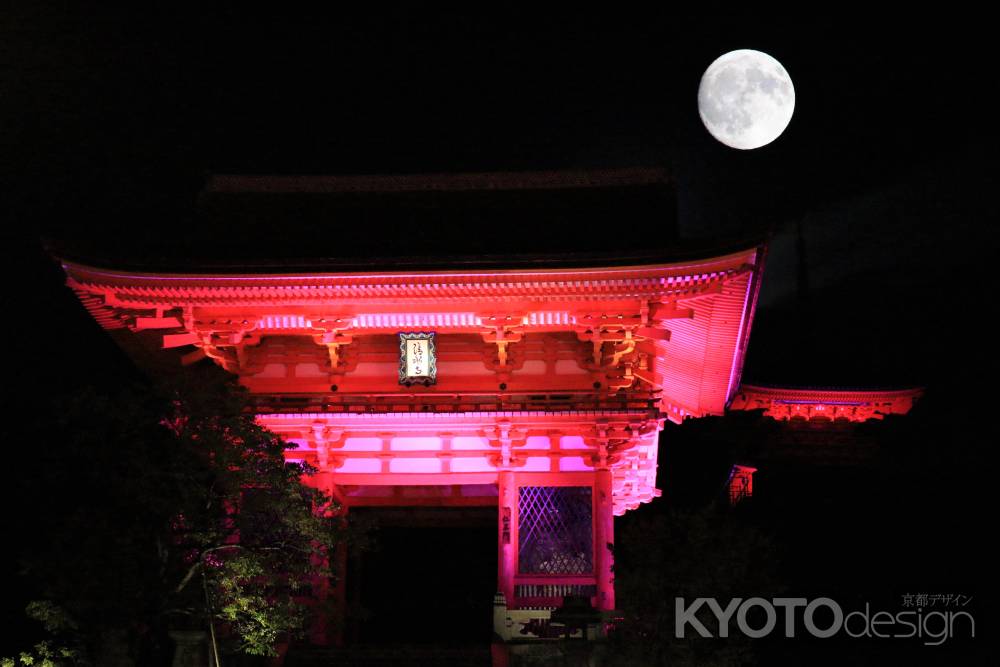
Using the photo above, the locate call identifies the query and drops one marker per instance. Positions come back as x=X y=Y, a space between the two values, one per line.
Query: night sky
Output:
x=879 y=194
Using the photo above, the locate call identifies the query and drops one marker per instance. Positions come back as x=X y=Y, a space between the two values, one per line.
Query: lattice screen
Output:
x=555 y=534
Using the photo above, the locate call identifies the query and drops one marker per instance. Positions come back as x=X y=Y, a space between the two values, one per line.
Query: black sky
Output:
x=110 y=122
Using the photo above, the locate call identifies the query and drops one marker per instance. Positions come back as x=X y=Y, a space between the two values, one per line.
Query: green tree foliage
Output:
x=169 y=506
x=60 y=649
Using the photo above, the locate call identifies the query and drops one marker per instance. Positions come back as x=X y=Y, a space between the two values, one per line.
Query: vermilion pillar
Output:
x=604 y=539
x=340 y=594
x=319 y=633
x=333 y=625
x=506 y=533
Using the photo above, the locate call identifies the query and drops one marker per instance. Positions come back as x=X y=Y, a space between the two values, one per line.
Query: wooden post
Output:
x=319 y=633
x=340 y=594
x=330 y=628
x=506 y=533
x=604 y=539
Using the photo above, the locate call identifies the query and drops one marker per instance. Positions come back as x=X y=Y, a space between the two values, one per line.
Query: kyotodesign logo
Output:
x=757 y=617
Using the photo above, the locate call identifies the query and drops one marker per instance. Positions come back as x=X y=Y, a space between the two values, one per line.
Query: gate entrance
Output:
x=430 y=578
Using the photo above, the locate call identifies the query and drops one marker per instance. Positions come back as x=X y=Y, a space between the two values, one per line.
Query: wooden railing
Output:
x=557 y=401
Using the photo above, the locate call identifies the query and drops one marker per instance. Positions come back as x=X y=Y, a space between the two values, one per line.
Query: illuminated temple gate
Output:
x=541 y=392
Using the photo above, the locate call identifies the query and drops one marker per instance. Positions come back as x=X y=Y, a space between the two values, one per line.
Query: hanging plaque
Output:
x=417 y=359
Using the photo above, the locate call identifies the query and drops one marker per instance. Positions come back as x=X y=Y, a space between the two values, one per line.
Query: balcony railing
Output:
x=564 y=401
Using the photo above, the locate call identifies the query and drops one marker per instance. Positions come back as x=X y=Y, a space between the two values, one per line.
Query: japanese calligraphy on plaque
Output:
x=417 y=359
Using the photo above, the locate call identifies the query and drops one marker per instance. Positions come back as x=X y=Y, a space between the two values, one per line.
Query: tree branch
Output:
x=187 y=577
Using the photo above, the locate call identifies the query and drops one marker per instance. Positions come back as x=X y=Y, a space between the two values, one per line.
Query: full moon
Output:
x=746 y=99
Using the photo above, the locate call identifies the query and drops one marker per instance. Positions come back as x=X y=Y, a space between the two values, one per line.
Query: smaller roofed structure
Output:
x=855 y=405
